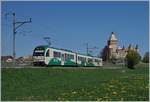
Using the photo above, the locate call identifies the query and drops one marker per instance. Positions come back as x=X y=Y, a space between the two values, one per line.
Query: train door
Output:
x=47 y=56
x=62 y=59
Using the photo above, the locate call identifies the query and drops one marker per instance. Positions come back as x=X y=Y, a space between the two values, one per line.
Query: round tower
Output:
x=112 y=45
x=112 y=42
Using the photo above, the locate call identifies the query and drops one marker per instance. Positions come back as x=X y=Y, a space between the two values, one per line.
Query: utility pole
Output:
x=14 y=36
x=87 y=48
x=16 y=25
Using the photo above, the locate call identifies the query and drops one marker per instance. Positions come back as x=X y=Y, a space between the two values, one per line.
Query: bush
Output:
x=146 y=57
x=132 y=58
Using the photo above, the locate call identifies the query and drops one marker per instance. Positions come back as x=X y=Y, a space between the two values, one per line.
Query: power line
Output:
x=88 y=49
x=16 y=25
x=48 y=40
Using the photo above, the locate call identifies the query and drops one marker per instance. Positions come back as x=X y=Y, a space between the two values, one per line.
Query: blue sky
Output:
x=72 y=24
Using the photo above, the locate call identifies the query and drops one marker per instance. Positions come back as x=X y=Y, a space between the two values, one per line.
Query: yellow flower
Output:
x=63 y=94
x=59 y=98
x=122 y=99
x=147 y=87
x=123 y=91
x=74 y=92
x=107 y=98
x=111 y=86
x=82 y=89
x=99 y=99
x=115 y=93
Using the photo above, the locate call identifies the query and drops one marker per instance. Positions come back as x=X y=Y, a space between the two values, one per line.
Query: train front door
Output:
x=47 y=57
x=62 y=59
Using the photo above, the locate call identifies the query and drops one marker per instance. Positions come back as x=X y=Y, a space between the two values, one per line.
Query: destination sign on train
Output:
x=39 y=50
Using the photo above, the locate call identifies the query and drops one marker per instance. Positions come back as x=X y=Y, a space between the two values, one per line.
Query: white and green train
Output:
x=44 y=55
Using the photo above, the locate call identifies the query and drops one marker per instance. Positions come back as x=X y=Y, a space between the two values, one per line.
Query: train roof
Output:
x=43 y=46
x=46 y=46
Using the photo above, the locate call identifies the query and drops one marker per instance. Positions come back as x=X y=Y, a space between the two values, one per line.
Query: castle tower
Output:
x=112 y=44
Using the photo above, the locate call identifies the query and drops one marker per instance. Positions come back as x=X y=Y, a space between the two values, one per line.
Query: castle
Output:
x=112 y=51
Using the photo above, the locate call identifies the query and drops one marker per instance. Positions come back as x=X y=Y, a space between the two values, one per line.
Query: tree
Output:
x=133 y=58
x=104 y=53
x=146 y=57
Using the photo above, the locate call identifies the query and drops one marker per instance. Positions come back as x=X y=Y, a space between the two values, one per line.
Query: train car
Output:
x=44 y=55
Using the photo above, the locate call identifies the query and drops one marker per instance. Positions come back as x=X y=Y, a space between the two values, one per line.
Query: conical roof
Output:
x=112 y=37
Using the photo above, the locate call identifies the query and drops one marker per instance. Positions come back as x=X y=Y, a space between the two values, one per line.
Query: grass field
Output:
x=75 y=84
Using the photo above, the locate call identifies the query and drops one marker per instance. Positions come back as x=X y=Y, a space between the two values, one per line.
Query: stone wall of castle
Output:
x=112 y=51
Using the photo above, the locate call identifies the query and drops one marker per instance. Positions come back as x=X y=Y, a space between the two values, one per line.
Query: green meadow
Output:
x=75 y=84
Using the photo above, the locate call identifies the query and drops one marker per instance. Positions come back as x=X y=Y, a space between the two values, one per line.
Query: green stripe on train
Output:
x=54 y=61
x=89 y=64
x=69 y=63
x=82 y=64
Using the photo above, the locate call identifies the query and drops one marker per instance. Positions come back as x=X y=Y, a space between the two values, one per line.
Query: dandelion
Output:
x=99 y=99
x=115 y=93
x=111 y=86
x=95 y=87
x=123 y=88
x=122 y=99
x=30 y=97
x=59 y=98
x=107 y=98
x=17 y=98
x=123 y=91
x=123 y=71
x=131 y=95
x=114 y=81
x=90 y=96
x=82 y=89
x=64 y=94
x=146 y=87
x=74 y=92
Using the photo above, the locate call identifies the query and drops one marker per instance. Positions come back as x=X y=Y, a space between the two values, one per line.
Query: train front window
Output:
x=38 y=53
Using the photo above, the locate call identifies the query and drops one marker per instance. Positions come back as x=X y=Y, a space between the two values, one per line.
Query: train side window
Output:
x=71 y=56
x=66 y=56
x=96 y=60
x=90 y=60
x=47 y=53
x=56 y=54
x=81 y=58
